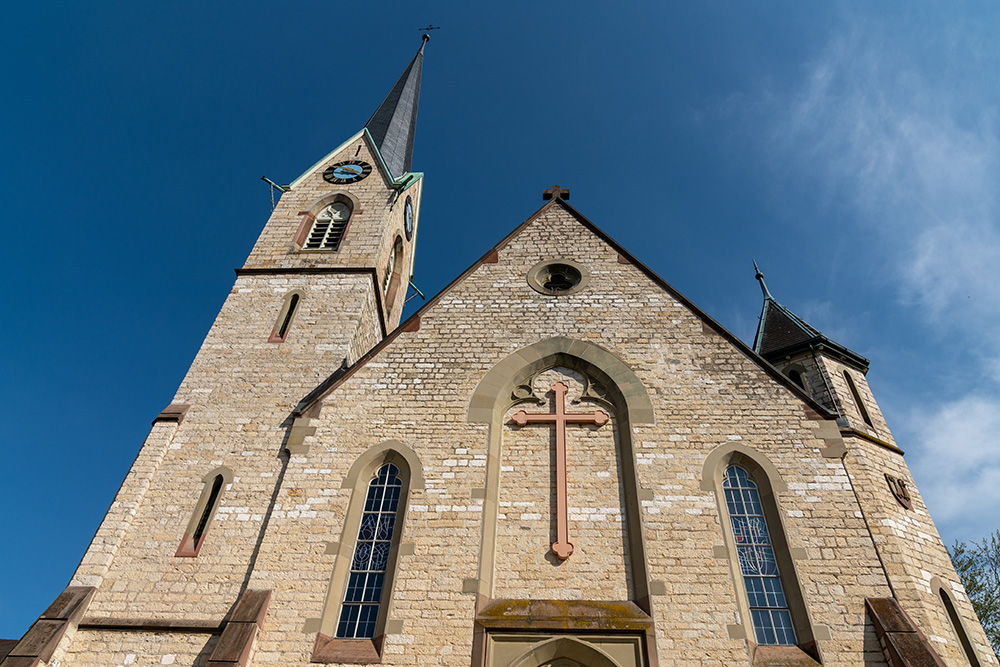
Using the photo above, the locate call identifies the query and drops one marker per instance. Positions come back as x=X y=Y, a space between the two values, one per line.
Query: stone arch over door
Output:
x=563 y=652
x=614 y=384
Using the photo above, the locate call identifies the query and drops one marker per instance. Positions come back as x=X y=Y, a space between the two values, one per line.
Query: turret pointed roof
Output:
x=394 y=123
x=781 y=332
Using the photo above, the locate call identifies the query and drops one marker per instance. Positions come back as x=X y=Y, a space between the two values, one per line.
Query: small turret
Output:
x=831 y=373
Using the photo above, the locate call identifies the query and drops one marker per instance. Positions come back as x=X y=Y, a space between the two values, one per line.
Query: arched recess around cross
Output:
x=493 y=393
x=624 y=392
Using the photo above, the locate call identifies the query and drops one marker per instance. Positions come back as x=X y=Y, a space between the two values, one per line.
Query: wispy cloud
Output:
x=895 y=121
x=915 y=158
x=959 y=464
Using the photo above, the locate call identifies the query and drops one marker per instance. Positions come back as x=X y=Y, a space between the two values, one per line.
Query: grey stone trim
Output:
x=387 y=451
x=493 y=391
x=534 y=277
x=302 y=428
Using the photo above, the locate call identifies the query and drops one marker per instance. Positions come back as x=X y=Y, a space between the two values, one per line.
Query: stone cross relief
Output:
x=562 y=547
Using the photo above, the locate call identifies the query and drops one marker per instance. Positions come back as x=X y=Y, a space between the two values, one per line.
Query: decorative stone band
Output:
x=903 y=644
x=238 y=636
x=40 y=641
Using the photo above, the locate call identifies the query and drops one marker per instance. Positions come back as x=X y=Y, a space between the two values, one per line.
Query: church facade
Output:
x=558 y=460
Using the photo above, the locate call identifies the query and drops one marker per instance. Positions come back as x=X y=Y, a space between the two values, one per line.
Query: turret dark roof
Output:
x=394 y=123
x=781 y=333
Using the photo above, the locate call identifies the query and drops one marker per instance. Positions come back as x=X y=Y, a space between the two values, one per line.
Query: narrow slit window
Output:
x=213 y=498
x=280 y=331
x=372 y=553
x=769 y=611
x=328 y=229
x=206 y=508
x=857 y=399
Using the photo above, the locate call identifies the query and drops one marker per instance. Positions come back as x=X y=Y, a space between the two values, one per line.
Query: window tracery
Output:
x=769 y=611
x=362 y=598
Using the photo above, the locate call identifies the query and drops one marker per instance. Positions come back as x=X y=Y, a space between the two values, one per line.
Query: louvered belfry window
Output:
x=328 y=229
x=359 y=614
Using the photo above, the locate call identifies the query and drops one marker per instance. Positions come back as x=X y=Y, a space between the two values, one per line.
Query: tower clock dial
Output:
x=350 y=171
x=408 y=218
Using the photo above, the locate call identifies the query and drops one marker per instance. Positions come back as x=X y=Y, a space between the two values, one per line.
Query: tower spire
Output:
x=781 y=332
x=760 y=279
x=394 y=123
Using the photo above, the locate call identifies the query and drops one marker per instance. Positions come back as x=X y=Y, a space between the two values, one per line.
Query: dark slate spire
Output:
x=393 y=124
x=782 y=333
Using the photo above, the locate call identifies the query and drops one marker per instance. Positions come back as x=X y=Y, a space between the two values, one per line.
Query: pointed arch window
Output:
x=204 y=511
x=392 y=272
x=769 y=610
x=329 y=227
x=795 y=376
x=284 y=321
x=357 y=611
x=857 y=399
x=363 y=597
x=956 y=623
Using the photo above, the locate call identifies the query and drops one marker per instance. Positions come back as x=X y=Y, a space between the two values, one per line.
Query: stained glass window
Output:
x=359 y=613
x=772 y=621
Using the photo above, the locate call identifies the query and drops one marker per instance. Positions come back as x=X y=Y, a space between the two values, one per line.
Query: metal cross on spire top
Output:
x=428 y=29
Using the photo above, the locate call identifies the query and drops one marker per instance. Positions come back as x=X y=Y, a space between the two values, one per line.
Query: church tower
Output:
x=324 y=283
x=910 y=549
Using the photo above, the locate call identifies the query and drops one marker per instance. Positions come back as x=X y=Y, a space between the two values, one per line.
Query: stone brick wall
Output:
x=705 y=394
x=105 y=648
x=912 y=550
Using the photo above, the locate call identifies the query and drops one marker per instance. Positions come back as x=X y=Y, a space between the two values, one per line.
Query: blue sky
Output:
x=852 y=149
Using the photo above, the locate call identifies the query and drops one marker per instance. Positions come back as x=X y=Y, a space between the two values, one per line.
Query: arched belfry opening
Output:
x=562 y=550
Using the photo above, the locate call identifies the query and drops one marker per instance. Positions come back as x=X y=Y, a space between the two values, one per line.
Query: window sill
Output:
x=355 y=651
x=781 y=656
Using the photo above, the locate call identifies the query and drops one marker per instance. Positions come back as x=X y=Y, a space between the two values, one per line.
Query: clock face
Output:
x=350 y=171
x=408 y=219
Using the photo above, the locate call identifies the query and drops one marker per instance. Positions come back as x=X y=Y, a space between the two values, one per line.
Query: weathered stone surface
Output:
x=644 y=513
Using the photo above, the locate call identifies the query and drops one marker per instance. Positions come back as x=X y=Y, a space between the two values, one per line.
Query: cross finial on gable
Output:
x=556 y=192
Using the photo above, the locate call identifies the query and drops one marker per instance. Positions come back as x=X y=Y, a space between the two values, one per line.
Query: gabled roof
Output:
x=325 y=388
x=781 y=333
x=394 y=123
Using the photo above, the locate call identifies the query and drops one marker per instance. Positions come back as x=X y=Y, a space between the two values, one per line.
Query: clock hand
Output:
x=350 y=171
